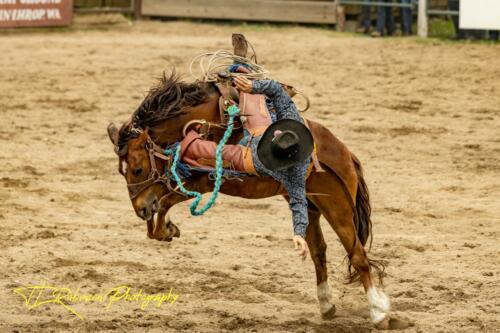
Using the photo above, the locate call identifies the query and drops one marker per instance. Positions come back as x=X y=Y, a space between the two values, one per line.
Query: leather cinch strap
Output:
x=314 y=155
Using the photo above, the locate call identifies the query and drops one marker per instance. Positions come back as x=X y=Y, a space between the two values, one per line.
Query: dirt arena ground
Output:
x=423 y=117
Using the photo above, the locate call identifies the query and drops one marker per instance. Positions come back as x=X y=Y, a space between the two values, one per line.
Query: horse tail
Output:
x=363 y=207
x=363 y=222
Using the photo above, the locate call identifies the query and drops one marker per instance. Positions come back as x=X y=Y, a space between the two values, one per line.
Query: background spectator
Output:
x=494 y=35
x=406 y=18
x=366 y=20
x=385 y=20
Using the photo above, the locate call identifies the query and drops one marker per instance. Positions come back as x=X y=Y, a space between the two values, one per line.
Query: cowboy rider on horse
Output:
x=293 y=175
x=279 y=149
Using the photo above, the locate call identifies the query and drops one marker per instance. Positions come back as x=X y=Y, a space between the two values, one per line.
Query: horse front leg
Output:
x=317 y=247
x=150 y=224
x=164 y=229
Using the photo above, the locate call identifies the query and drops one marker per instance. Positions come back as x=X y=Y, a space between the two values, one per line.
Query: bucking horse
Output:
x=335 y=186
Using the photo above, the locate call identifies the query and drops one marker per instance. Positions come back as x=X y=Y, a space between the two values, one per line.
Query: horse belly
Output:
x=253 y=187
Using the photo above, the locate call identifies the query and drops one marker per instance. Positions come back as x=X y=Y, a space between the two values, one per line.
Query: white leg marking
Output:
x=379 y=304
x=124 y=167
x=324 y=297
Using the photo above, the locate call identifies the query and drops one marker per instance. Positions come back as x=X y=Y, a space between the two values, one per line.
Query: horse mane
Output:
x=168 y=99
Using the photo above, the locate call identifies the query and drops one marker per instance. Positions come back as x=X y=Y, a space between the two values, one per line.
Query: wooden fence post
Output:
x=340 y=14
x=137 y=9
x=422 y=18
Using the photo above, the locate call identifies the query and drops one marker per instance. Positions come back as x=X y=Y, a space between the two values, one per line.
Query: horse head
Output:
x=136 y=157
x=166 y=109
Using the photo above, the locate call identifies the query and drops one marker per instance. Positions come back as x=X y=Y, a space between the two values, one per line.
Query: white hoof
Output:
x=325 y=307
x=377 y=316
x=330 y=313
x=379 y=305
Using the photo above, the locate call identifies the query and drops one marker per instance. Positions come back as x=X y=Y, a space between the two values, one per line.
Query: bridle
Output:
x=154 y=176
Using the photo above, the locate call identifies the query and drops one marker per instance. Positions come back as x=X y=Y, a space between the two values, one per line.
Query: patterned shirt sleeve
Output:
x=285 y=108
x=293 y=178
x=294 y=181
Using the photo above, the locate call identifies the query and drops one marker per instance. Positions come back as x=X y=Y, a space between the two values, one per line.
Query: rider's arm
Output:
x=293 y=180
x=285 y=108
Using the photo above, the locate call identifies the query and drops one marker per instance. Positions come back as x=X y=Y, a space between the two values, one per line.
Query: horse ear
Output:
x=113 y=133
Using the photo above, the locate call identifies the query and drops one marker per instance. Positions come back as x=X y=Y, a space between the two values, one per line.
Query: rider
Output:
x=293 y=177
x=276 y=144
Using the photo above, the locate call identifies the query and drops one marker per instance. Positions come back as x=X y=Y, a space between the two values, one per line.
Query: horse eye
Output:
x=137 y=172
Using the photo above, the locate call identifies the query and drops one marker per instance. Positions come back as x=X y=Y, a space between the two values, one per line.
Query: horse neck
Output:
x=170 y=131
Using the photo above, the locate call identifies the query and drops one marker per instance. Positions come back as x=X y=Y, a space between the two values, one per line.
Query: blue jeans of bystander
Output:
x=385 y=20
x=406 y=18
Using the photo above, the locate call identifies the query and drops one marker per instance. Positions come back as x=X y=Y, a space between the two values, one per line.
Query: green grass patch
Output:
x=441 y=28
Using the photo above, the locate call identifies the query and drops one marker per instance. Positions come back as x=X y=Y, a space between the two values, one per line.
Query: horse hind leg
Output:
x=339 y=215
x=317 y=248
x=378 y=302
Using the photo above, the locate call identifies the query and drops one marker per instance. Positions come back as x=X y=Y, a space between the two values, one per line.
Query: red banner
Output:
x=35 y=13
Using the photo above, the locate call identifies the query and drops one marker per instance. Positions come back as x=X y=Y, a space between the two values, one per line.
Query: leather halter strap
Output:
x=154 y=175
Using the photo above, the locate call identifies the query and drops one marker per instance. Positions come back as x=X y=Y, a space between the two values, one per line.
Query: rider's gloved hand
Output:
x=301 y=245
x=243 y=84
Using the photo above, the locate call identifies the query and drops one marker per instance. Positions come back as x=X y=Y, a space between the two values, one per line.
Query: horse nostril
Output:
x=144 y=212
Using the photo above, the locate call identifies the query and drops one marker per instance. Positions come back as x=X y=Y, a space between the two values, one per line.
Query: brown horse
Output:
x=344 y=200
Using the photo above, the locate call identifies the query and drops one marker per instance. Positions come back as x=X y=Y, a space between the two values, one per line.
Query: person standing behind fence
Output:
x=366 y=20
x=494 y=35
x=385 y=20
x=406 y=18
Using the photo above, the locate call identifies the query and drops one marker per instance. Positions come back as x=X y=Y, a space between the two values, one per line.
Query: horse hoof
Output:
x=329 y=314
x=173 y=229
x=389 y=323
x=384 y=324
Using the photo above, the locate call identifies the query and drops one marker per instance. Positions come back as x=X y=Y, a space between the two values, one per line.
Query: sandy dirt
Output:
x=423 y=117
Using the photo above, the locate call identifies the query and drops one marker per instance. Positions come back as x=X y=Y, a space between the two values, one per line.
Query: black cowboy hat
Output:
x=294 y=145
